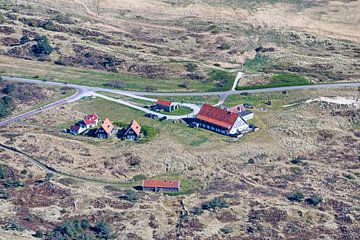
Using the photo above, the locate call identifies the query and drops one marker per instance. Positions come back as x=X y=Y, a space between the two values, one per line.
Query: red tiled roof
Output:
x=107 y=126
x=135 y=126
x=237 y=109
x=163 y=103
x=161 y=183
x=217 y=116
x=91 y=119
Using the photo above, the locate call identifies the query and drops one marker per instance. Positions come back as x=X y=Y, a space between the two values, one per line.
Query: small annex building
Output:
x=243 y=113
x=220 y=120
x=106 y=130
x=165 y=105
x=161 y=185
x=132 y=132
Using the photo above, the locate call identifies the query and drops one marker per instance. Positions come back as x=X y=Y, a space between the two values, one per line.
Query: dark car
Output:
x=247 y=105
x=163 y=118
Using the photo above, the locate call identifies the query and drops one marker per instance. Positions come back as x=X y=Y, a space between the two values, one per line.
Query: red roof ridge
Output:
x=135 y=126
x=161 y=183
x=107 y=126
x=217 y=116
x=164 y=102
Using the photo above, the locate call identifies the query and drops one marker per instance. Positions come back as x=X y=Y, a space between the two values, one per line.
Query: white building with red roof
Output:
x=90 y=120
x=165 y=105
x=161 y=185
x=220 y=120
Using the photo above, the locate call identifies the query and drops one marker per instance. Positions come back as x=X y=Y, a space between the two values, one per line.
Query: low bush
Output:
x=116 y=84
x=4 y=194
x=215 y=203
x=6 y=106
x=197 y=211
x=9 y=88
x=295 y=197
x=314 y=200
x=130 y=196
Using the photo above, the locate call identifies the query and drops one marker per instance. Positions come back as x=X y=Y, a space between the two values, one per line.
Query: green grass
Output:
x=223 y=79
x=257 y=64
x=280 y=80
x=180 y=111
x=191 y=99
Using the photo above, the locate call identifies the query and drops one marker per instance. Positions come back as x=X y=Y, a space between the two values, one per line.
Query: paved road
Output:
x=79 y=94
x=88 y=91
x=175 y=94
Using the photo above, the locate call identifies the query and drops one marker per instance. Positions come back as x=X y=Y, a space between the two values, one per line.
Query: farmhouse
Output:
x=106 y=130
x=167 y=106
x=133 y=131
x=161 y=185
x=90 y=120
x=221 y=121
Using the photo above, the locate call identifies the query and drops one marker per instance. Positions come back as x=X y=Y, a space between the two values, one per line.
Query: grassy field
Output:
x=180 y=111
x=280 y=80
x=191 y=99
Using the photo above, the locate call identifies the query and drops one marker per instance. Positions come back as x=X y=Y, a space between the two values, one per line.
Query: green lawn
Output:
x=280 y=80
x=191 y=99
x=180 y=111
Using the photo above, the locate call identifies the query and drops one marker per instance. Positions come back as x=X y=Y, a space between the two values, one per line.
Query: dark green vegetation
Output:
x=257 y=64
x=214 y=204
x=223 y=79
x=82 y=229
x=42 y=46
x=6 y=106
x=130 y=196
x=280 y=80
x=180 y=111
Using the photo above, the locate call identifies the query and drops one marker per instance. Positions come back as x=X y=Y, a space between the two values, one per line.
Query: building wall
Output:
x=160 y=189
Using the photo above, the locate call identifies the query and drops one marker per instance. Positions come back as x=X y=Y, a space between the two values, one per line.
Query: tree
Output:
x=24 y=39
x=1 y=79
x=42 y=46
x=38 y=234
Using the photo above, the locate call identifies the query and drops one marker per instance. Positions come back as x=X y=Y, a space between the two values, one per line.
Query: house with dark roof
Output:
x=132 y=132
x=161 y=185
x=167 y=106
x=221 y=121
x=106 y=130
x=77 y=129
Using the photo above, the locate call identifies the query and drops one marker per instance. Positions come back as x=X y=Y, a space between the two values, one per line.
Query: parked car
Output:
x=247 y=105
x=163 y=118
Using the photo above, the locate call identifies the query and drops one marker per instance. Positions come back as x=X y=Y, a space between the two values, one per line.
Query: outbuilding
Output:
x=161 y=185
x=167 y=106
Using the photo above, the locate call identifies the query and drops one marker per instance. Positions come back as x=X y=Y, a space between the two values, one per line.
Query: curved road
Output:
x=90 y=91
